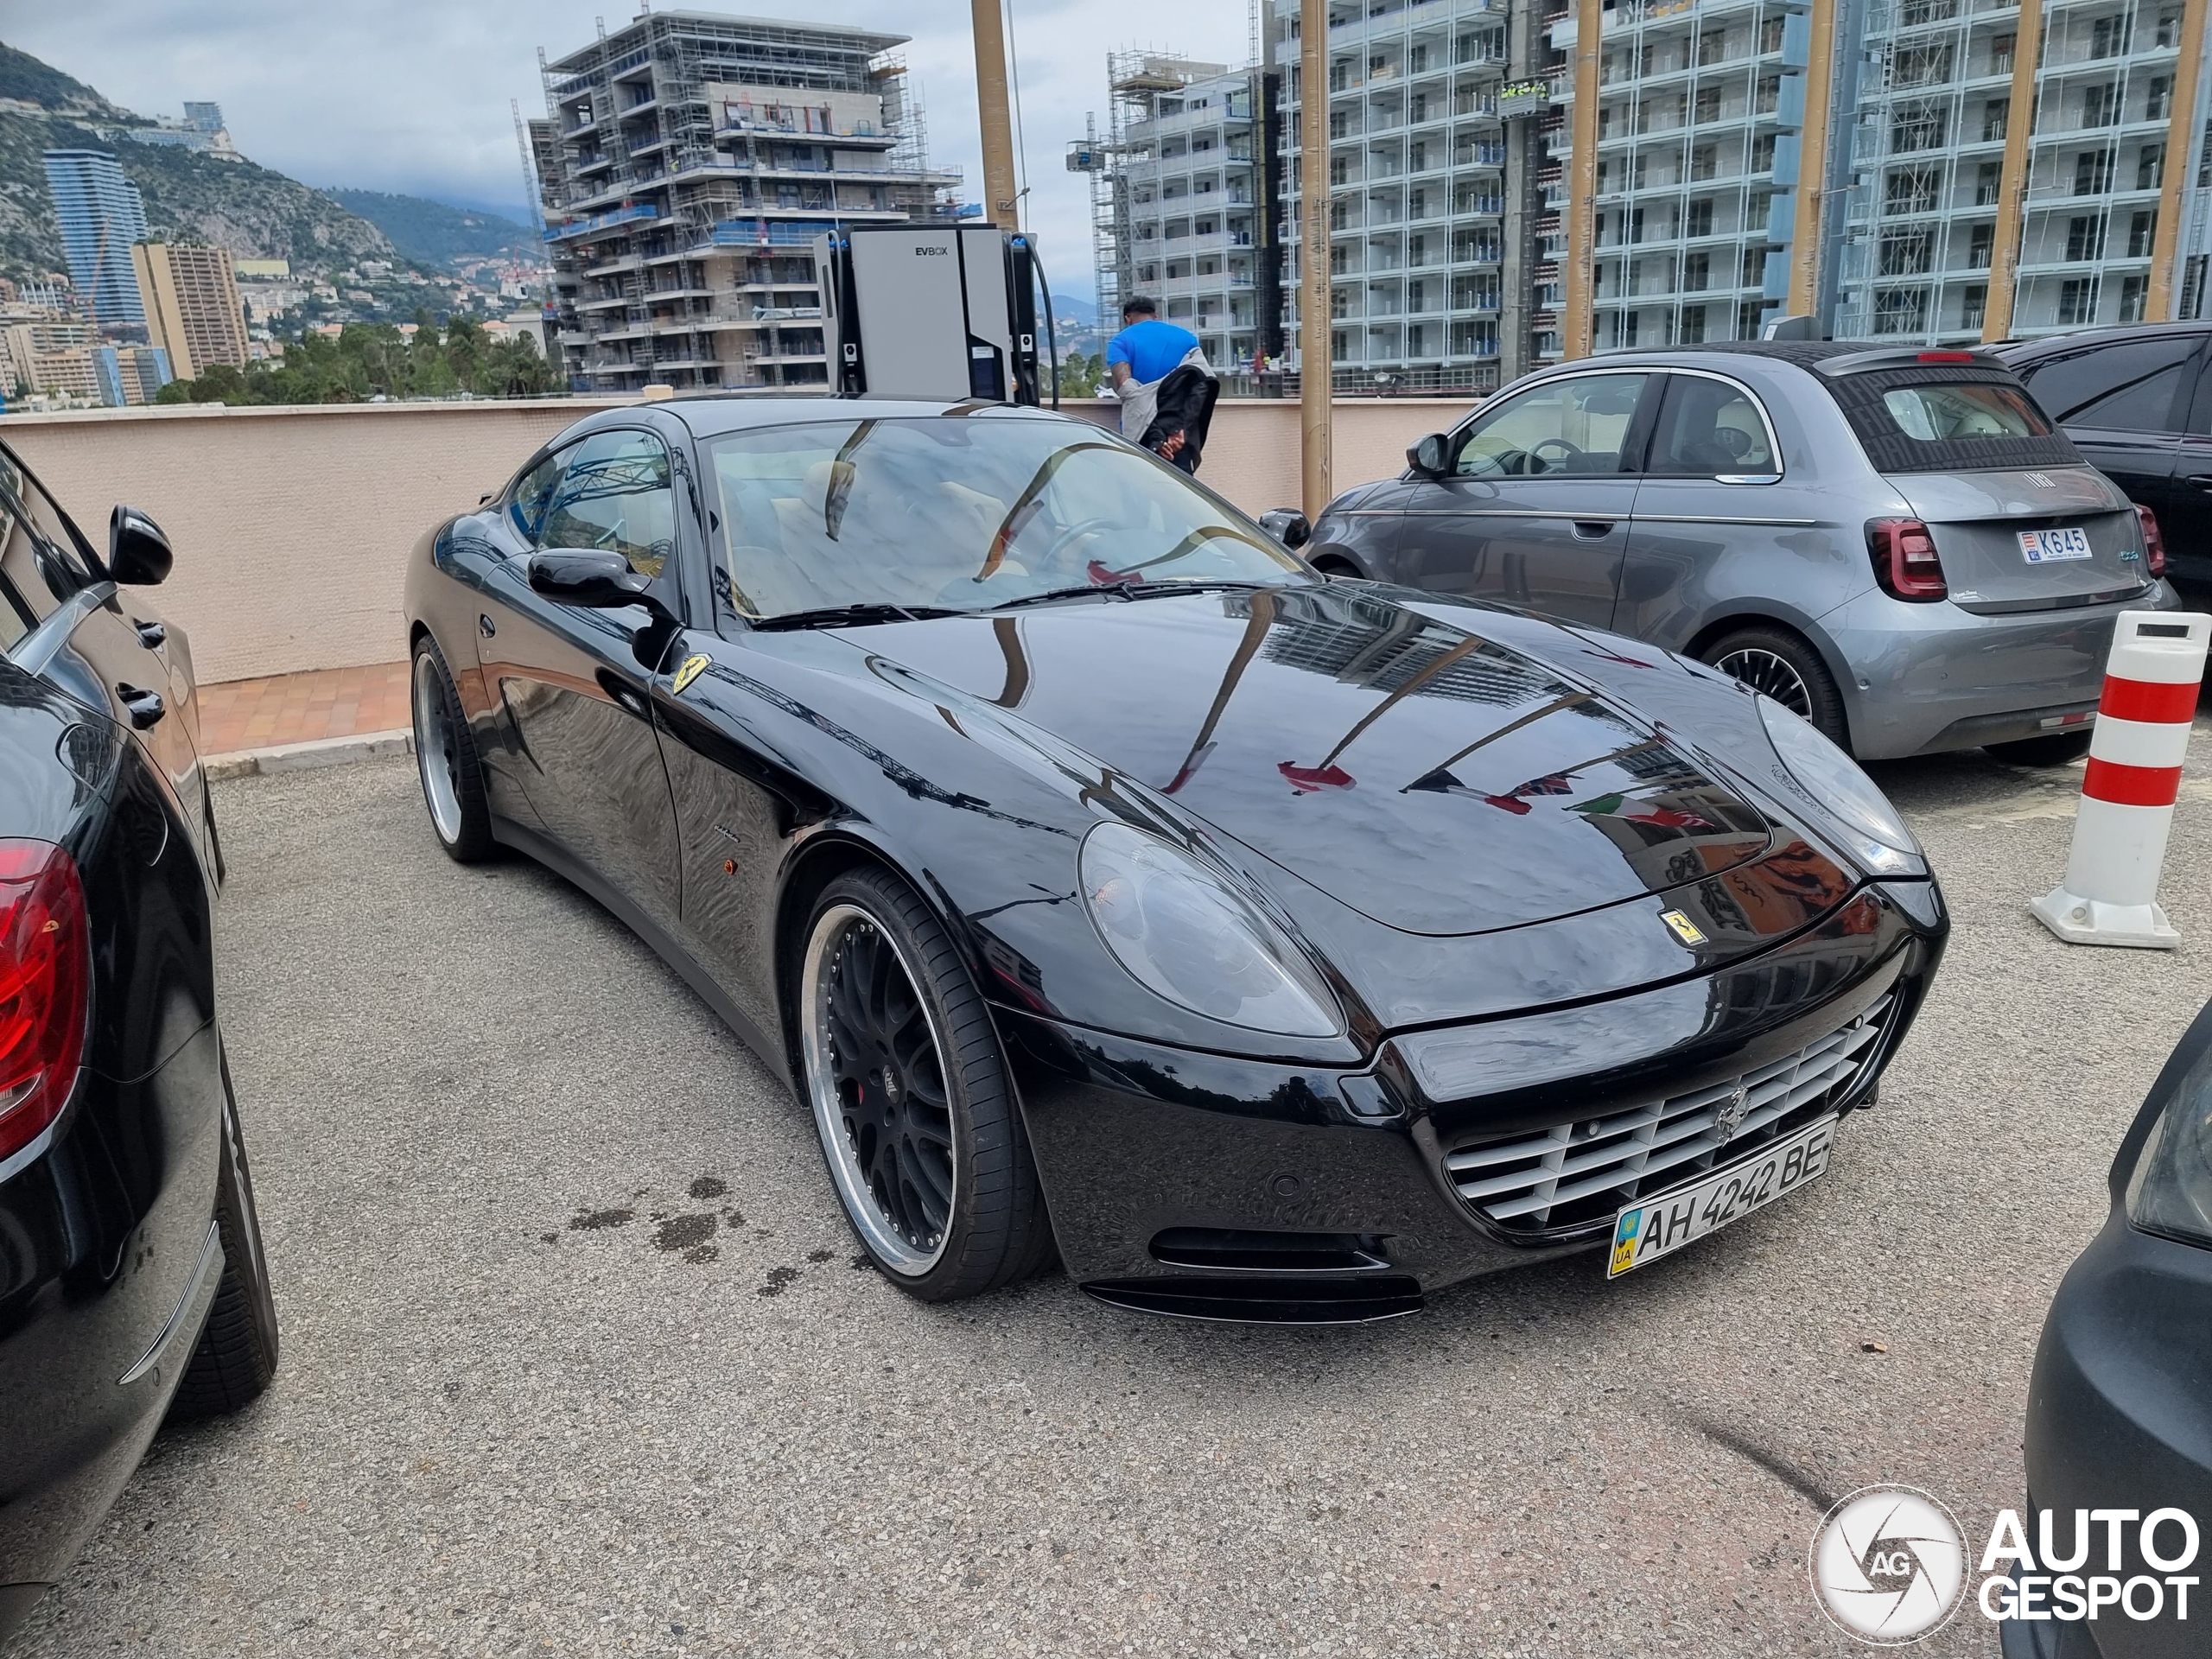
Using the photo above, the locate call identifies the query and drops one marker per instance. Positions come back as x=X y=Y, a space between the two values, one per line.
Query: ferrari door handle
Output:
x=2203 y=480
x=144 y=707
x=151 y=634
x=486 y=626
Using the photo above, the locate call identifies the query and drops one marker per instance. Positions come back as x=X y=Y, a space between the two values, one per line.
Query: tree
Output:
x=1080 y=375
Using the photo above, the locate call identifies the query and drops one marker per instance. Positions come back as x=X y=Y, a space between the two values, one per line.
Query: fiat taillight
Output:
x=2154 y=545
x=44 y=973
x=1903 y=551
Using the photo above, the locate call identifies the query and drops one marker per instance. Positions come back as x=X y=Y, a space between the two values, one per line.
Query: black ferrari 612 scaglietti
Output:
x=1107 y=883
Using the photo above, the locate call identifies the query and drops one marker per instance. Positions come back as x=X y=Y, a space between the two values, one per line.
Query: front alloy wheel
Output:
x=900 y=1061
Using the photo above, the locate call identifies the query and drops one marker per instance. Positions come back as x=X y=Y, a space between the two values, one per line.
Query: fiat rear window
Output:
x=1944 y=414
x=1930 y=418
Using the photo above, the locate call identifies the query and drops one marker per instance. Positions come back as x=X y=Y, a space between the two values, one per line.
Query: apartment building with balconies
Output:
x=687 y=163
x=1998 y=187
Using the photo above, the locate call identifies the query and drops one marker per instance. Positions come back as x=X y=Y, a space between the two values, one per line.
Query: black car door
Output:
x=574 y=683
x=101 y=653
x=2124 y=403
x=2187 y=519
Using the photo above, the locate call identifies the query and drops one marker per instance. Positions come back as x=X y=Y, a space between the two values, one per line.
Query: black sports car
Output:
x=131 y=1279
x=1104 y=879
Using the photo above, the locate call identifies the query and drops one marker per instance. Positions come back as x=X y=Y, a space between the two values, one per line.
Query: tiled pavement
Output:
x=240 y=714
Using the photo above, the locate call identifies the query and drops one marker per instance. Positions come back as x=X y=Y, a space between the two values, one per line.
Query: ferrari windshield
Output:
x=963 y=512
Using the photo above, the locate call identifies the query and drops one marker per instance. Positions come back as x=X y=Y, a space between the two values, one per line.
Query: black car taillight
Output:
x=2154 y=545
x=1903 y=551
x=44 y=969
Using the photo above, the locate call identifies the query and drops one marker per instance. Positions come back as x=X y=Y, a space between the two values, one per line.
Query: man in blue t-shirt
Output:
x=1144 y=353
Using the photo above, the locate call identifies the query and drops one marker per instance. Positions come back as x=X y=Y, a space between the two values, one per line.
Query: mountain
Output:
x=434 y=233
x=255 y=213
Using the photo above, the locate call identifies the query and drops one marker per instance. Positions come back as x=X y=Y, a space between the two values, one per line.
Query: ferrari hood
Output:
x=1430 y=778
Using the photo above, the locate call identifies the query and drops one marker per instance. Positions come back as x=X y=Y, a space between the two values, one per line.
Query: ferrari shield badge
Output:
x=1683 y=929
x=689 y=672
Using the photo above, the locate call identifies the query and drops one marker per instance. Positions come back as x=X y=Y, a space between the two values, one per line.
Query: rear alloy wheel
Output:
x=2059 y=749
x=911 y=1096
x=445 y=755
x=1783 y=666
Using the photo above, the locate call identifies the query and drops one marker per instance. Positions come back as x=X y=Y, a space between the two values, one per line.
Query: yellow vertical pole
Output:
x=2013 y=187
x=1582 y=183
x=1812 y=164
x=1001 y=203
x=2165 y=241
x=1315 y=357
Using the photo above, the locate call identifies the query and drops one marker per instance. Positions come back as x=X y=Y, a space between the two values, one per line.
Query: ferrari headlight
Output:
x=1180 y=931
x=1832 y=781
x=2170 y=1191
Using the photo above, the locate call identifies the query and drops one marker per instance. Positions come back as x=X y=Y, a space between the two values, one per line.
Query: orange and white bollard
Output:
x=2111 y=892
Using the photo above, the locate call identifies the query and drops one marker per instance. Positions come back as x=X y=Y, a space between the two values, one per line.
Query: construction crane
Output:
x=530 y=186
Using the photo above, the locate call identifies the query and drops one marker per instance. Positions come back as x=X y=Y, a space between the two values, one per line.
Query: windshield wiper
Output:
x=1129 y=587
x=841 y=616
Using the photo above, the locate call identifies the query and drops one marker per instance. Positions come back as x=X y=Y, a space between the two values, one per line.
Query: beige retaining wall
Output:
x=292 y=525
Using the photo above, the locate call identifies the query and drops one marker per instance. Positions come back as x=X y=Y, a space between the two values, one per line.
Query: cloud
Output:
x=413 y=95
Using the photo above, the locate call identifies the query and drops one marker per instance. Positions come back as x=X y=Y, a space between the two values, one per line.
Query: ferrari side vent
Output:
x=1575 y=1175
x=1240 y=1251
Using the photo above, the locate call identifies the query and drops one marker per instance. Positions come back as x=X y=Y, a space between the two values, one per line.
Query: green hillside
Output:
x=255 y=213
x=433 y=232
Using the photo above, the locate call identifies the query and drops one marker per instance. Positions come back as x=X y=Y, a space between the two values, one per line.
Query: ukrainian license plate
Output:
x=1659 y=1226
x=2045 y=546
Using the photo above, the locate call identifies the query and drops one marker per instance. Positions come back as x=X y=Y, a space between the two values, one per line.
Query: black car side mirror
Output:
x=139 y=555
x=595 y=578
x=1431 y=456
x=1289 y=526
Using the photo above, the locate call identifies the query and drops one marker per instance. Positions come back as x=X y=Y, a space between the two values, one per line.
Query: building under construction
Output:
x=687 y=163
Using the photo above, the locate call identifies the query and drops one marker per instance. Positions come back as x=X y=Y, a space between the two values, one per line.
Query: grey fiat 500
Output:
x=1898 y=544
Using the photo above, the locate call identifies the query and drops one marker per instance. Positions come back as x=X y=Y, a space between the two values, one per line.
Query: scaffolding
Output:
x=1136 y=81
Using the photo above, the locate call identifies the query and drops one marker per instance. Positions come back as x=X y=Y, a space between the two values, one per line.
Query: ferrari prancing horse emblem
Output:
x=689 y=672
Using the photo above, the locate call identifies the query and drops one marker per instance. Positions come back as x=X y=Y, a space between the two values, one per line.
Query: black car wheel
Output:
x=2057 y=750
x=916 y=1116
x=445 y=754
x=1786 y=669
x=236 y=1353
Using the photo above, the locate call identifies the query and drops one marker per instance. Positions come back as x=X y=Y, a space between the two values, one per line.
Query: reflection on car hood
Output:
x=1431 y=778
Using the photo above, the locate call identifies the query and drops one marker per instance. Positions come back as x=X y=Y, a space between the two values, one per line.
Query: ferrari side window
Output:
x=614 y=494
x=533 y=493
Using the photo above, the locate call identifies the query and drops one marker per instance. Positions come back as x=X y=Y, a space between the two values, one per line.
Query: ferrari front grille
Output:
x=1576 y=1173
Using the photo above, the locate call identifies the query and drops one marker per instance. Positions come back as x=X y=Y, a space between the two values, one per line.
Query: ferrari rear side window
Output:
x=964 y=512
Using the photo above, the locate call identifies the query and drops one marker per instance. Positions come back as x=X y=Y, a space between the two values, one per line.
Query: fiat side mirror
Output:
x=1431 y=456
x=1289 y=526
x=139 y=555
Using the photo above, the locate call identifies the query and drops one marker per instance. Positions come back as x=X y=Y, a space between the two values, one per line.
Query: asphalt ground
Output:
x=576 y=1360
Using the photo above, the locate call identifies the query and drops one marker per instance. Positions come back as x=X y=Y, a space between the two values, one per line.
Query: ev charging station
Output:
x=936 y=315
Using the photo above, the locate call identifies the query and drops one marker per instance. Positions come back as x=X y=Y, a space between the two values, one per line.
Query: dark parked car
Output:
x=2119 y=1418
x=2137 y=403
x=1894 y=542
x=1102 y=878
x=131 y=1282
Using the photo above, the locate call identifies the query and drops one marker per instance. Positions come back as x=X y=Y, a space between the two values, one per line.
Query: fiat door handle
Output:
x=144 y=707
x=1591 y=529
x=486 y=626
x=151 y=634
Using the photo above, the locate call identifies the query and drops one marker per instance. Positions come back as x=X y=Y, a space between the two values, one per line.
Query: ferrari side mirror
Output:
x=139 y=555
x=1289 y=526
x=595 y=578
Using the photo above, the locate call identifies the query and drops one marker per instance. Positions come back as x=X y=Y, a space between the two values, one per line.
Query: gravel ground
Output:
x=576 y=1358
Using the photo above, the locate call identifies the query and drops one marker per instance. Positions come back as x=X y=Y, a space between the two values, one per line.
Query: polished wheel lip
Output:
x=884 y=1240
x=1764 y=671
x=434 y=755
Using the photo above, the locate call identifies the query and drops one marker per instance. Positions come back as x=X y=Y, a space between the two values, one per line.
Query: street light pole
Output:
x=1315 y=357
x=1001 y=206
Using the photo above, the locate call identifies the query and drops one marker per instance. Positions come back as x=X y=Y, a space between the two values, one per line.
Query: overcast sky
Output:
x=412 y=95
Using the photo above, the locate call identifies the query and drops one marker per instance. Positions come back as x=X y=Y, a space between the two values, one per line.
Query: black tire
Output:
x=236 y=1353
x=446 y=761
x=994 y=1228
x=2059 y=749
x=1783 y=665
